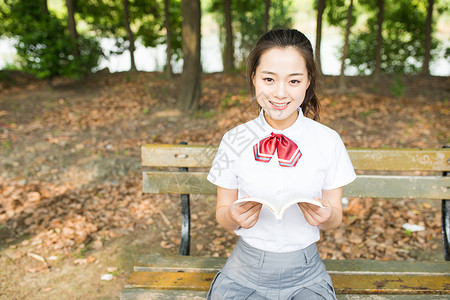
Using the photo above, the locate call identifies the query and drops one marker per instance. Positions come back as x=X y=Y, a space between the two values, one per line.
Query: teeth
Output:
x=279 y=104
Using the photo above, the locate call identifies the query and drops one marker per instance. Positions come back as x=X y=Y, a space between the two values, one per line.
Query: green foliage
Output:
x=106 y=19
x=152 y=31
x=43 y=44
x=403 y=37
x=281 y=14
x=336 y=12
x=248 y=24
x=10 y=66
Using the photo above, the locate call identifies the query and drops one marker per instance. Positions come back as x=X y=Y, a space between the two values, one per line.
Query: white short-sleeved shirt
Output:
x=324 y=165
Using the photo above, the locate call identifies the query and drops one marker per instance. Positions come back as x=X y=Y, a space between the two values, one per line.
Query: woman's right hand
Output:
x=233 y=215
x=245 y=214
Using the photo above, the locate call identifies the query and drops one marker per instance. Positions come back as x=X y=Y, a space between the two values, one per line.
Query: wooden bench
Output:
x=382 y=173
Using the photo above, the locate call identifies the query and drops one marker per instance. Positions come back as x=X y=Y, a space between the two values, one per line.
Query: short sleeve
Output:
x=341 y=171
x=222 y=172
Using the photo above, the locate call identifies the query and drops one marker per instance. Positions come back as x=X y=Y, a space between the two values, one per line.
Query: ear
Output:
x=253 y=79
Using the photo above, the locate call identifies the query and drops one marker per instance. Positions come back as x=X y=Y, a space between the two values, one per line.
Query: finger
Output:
x=307 y=208
x=310 y=215
x=256 y=208
x=247 y=205
x=252 y=224
x=240 y=208
x=311 y=220
x=249 y=218
x=252 y=211
x=249 y=223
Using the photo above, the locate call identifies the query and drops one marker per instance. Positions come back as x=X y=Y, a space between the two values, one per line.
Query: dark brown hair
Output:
x=283 y=38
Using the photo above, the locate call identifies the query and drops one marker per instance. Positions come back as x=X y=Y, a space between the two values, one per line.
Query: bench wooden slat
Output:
x=158 y=155
x=343 y=283
x=177 y=183
x=390 y=284
x=199 y=264
x=186 y=274
x=378 y=186
x=157 y=294
x=165 y=263
x=166 y=155
x=412 y=187
x=400 y=159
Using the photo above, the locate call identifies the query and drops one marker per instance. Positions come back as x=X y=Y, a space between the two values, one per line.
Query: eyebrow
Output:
x=292 y=74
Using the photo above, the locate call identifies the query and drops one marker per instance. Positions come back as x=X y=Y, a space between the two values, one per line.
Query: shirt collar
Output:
x=291 y=132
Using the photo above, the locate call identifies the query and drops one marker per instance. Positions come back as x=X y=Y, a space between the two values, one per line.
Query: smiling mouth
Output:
x=279 y=106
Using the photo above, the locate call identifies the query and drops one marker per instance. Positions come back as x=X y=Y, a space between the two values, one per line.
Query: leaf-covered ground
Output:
x=71 y=206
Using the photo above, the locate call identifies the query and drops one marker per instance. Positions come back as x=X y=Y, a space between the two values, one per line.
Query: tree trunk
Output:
x=190 y=80
x=342 y=84
x=379 y=45
x=266 y=16
x=320 y=10
x=72 y=25
x=428 y=24
x=169 y=71
x=228 y=58
x=71 y=19
x=130 y=35
x=45 y=7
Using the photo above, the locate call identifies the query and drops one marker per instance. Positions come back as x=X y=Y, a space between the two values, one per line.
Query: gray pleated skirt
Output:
x=250 y=273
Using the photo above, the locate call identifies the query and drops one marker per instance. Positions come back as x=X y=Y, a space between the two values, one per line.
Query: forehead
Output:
x=284 y=60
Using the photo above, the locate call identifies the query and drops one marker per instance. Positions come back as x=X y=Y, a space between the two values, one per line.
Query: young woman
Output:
x=279 y=156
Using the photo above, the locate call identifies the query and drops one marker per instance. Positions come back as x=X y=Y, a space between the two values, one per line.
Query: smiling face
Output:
x=281 y=81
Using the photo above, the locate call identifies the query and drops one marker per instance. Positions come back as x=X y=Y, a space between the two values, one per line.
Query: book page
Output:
x=278 y=209
x=272 y=206
x=298 y=200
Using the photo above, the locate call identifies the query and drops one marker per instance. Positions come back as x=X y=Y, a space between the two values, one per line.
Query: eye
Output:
x=268 y=79
x=295 y=82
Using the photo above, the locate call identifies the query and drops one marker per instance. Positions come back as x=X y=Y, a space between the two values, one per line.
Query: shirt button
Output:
x=278 y=192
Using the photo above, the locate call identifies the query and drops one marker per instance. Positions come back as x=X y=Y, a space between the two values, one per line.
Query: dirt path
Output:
x=71 y=207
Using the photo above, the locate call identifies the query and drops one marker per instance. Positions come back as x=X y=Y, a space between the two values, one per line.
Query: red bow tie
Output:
x=287 y=151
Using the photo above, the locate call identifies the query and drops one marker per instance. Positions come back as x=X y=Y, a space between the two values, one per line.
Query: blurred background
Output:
x=99 y=32
x=85 y=83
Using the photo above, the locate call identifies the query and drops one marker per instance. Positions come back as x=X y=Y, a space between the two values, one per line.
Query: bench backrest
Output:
x=382 y=173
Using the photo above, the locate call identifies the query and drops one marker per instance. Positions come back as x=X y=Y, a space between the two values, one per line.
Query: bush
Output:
x=44 y=46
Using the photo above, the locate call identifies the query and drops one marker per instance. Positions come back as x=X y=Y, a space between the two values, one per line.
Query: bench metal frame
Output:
x=445 y=221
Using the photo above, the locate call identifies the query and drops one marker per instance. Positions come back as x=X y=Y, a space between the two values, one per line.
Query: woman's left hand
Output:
x=327 y=217
x=316 y=215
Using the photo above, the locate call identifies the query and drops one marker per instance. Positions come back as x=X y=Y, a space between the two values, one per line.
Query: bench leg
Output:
x=185 y=225
x=446 y=228
x=445 y=223
x=185 y=245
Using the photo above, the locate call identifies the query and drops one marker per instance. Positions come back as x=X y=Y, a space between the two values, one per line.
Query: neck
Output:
x=281 y=124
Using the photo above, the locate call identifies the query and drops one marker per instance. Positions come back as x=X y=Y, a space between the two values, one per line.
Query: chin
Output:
x=279 y=115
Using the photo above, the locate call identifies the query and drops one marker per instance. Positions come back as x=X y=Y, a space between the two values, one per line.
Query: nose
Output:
x=280 y=91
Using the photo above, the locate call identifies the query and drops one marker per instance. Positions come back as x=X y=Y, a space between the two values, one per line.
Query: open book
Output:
x=278 y=209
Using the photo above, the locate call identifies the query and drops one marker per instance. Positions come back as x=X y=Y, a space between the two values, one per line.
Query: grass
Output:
x=6 y=145
x=81 y=253
x=367 y=113
x=205 y=114
x=397 y=87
